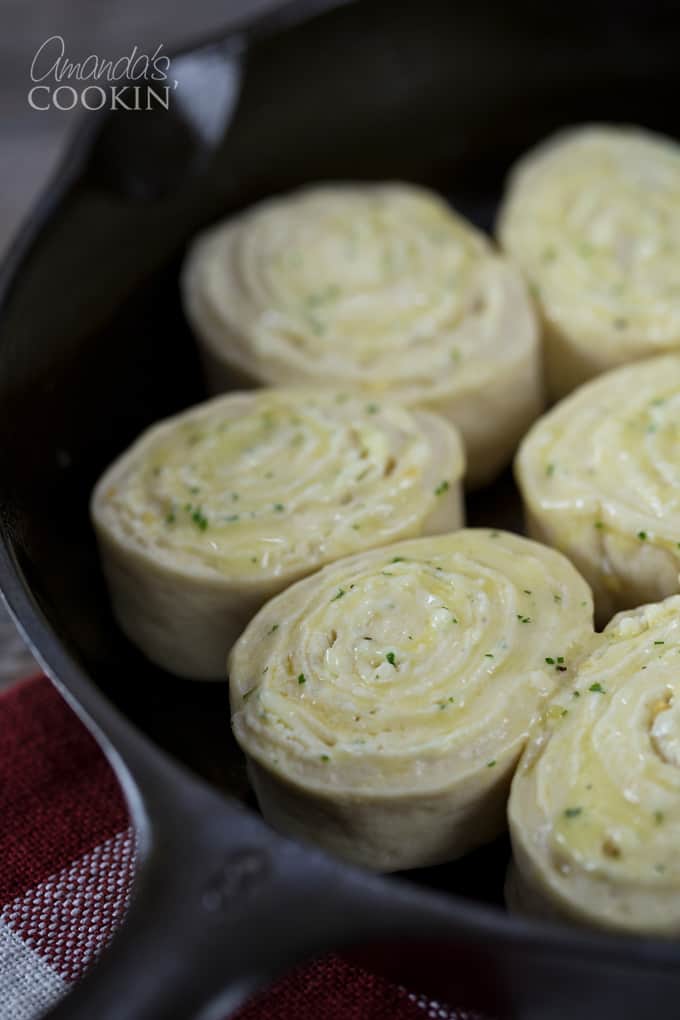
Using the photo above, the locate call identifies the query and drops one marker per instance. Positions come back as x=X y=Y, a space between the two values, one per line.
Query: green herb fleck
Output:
x=550 y=661
x=199 y=519
x=642 y=535
x=302 y=679
x=274 y=627
x=597 y=689
x=441 y=488
x=490 y=764
x=550 y=470
x=573 y=812
x=325 y=757
x=340 y=592
x=658 y=817
x=390 y=659
x=170 y=518
x=372 y=408
x=488 y=655
x=599 y=525
x=279 y=508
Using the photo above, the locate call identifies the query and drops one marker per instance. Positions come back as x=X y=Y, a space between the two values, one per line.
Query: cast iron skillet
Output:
x=93 y=347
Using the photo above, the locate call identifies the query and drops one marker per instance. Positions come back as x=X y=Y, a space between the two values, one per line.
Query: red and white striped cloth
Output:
x=66 y=866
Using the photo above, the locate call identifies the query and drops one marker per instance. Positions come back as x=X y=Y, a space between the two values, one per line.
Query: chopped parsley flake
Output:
x=170 y=518
x=302 y=679
x=279 y=507
x=597 y=689
x=642 y=535
x=658 y=817
x=573 y=812
x=397 y=559
x=490 y=764
x=390 y=659
x=441 y=488
x=550 y=470
x=199 y=519
x=274 y=627
x=372 y=408
x=659 y=642
x=340 y=592
x=599 y=525
x=488 y=655
x=550 y=661
x=325 y=757
x=523 y=619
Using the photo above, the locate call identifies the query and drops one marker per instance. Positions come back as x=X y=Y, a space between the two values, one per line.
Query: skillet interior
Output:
x=93 y=344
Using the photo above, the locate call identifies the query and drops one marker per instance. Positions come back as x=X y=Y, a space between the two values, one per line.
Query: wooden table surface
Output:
x=31 y=141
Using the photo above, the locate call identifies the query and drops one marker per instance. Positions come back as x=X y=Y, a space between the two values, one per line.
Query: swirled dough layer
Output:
x=593 y=218
x=595 y=804
x=212 y=512
x=383 y=703
x=600 y=478
x=380 y=286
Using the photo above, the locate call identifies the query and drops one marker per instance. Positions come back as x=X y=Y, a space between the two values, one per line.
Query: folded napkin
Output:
x=66 y=866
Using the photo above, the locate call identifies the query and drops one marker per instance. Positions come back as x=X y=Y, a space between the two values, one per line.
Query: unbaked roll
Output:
x=383 y=703
x=593 y=218
x=600 y=479
x=374 y=285
x=595 y=805
x=212 y=512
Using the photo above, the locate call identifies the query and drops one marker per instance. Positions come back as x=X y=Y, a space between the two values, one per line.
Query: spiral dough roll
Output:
x=595 y=804
x=378 y=286
x=383 y=703
x=600 y=478
x=210 y=513
x=593 y=218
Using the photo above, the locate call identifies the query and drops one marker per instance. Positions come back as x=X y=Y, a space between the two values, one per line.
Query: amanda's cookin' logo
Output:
x=97 y=82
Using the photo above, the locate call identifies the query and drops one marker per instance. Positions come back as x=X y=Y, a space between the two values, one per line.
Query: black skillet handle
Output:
x=224 y=904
